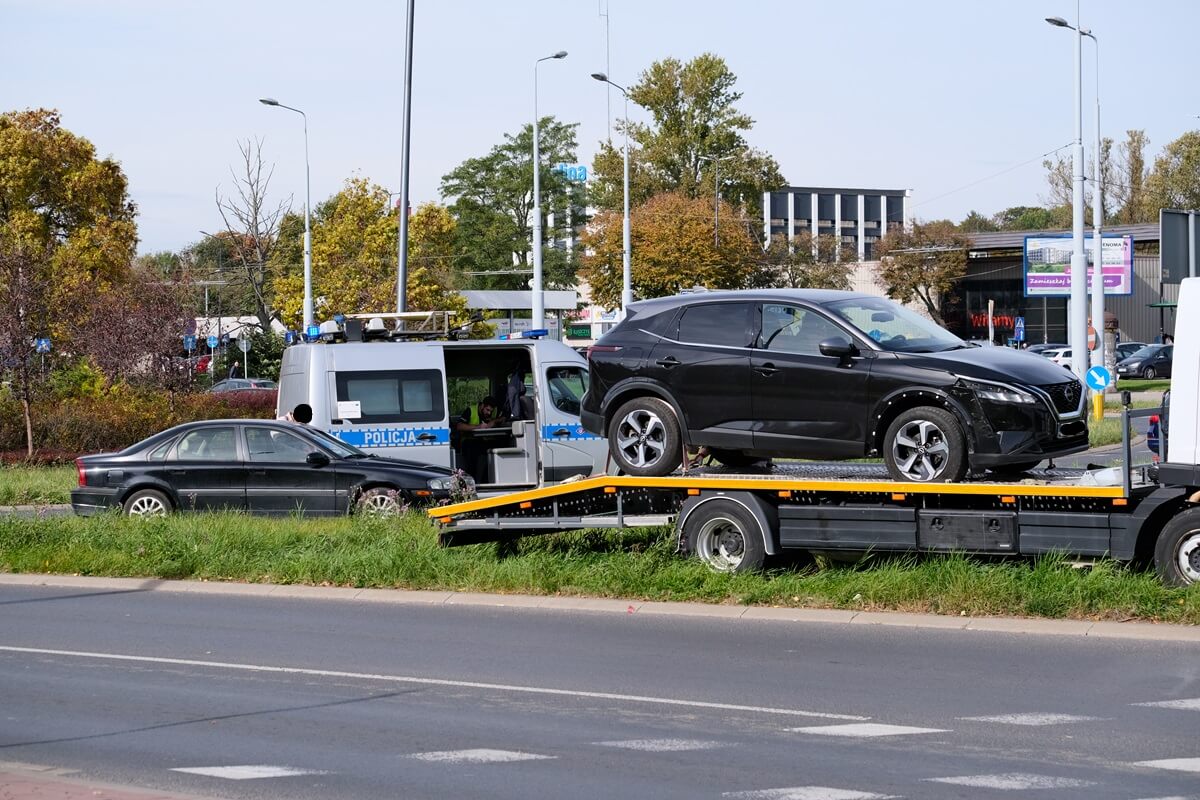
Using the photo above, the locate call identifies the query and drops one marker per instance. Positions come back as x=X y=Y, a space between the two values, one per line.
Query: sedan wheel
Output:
x=147 y=503
x=1148 y=373
x=925 y=444
x=379 y=502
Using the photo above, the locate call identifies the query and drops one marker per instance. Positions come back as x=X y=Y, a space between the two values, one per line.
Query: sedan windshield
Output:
x=340 y=448
x=894 y=327
x=1146 y=352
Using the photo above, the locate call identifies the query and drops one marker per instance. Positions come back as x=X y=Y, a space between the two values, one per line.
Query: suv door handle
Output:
x=766 y=369
x=427 y=437
x=562 y=432
x=668 y=362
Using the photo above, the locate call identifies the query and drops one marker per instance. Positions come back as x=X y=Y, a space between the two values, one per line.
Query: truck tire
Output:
x=147 y=503
x=1177 y=551
x=725 y=537
x=644 y=438
x=925 y=445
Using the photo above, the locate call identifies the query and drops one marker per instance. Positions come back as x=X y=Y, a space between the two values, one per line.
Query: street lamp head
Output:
x=1059 y=22
x=268 y=101
x=560 y=54
x=600 y=76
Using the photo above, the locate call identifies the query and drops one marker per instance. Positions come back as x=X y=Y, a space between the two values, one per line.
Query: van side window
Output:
x=413 y=395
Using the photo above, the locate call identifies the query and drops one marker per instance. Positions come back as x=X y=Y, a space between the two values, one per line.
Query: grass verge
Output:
x=637 y=564
x=1106 y=431
x=1141 y=385
x=34 y=485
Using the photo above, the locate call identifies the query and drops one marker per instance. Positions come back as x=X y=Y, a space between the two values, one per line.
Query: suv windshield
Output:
x=894 y=327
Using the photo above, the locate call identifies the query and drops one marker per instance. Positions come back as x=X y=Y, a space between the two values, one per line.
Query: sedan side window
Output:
x=208 y=444
x=789 y=329
x=268 y=444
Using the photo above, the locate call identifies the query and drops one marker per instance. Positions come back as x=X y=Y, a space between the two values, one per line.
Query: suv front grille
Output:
x=1065 y=395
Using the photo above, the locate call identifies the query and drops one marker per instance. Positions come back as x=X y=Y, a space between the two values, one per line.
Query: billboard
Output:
x=1048 y=265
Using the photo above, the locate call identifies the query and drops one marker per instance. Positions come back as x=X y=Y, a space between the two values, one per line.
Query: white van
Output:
x=401 y=399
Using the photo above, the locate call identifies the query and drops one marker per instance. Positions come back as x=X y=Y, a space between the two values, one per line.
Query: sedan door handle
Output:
x=766 y=369
x=562 y=432
x=427 y=437
x=668 y=362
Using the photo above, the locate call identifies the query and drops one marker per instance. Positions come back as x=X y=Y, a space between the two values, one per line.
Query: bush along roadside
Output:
x=635 y=564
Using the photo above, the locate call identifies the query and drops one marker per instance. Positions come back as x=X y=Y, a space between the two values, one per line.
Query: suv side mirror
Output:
x=837 y=347
x=316 y=459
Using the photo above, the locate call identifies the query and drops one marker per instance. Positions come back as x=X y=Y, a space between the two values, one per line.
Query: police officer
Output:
x=476 y=417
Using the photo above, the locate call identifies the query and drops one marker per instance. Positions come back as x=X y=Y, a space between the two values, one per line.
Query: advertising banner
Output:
x=1048 y=265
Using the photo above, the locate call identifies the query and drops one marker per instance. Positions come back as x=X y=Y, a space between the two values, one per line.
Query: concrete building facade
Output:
x=859 y=216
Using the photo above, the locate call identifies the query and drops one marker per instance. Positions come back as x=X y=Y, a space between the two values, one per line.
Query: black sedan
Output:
x=261 y=466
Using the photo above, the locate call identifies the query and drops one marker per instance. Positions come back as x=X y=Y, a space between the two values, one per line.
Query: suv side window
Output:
x=722 y=324
x=791 y=329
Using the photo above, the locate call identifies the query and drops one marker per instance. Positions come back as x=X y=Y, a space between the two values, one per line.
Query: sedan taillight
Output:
x=82 y=473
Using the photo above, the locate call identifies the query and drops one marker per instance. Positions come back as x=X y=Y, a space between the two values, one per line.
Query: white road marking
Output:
x=866 y=730
x=479 y=756
x=495 y=687
x=806 y=793
x=1190 y=704
x=1032 y=719
x=662 y=745
x=1014 y=781
x=248 y=771
x=1180 y=764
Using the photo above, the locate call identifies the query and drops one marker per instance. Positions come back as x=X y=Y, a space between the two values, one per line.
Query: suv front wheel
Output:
x=644 y=438
x=924 y=445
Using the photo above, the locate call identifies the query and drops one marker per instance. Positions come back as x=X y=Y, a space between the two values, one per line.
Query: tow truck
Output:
x=733 y=520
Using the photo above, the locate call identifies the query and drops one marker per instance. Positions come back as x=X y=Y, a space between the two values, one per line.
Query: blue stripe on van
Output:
x=393 y=437
x=575 y=433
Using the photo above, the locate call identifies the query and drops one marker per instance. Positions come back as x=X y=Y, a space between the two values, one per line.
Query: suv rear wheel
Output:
x=644 y=438
x=924 y=445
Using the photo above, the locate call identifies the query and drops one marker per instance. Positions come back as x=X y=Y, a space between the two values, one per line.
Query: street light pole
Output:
x=716 y=162
x=308 y=297
x=538 y=300
x=1098 y=355
x=626 y=271
x=406 y=139
x=1077 y=332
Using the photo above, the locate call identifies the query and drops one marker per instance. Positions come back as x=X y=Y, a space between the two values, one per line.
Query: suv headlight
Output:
x=999 y=393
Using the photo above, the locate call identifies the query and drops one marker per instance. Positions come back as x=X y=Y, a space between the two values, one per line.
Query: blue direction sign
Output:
x=1098 y=378
x=1019 y=329
x=212 y=342
x=41 y=345
x=189 y=343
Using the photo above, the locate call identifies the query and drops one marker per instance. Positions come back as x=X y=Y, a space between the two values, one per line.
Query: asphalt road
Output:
x=245 y=697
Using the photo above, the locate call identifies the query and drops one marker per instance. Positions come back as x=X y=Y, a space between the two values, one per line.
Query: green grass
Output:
x=635 y=564
x=36 y=485
x=1139 y=385
x=1106 y=431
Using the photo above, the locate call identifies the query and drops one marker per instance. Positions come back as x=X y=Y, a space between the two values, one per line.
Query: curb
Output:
x=1166 y=632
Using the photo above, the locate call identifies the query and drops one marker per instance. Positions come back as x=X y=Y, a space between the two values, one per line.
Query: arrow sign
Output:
x=212 y=342
x=1099 y=378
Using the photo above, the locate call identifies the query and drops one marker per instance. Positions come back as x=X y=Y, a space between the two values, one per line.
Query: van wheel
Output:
x=925 y=444
x=725 y=536
x=147 y=503
x=644 y=438
x=1177 y=551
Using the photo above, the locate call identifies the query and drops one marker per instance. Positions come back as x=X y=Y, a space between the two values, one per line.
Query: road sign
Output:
x=1091 y=338
x=1098 y=378
x=189 y=343
x=41 y=345
x=212 y=342
x=1019 y=329
x=244 y=344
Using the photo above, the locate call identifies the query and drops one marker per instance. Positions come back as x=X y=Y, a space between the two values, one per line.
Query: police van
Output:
x=392 y=396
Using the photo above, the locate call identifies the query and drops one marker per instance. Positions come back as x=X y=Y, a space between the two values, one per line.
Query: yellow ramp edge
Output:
x=713 y=482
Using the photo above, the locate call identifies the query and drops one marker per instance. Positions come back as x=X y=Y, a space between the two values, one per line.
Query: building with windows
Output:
x=860 y=216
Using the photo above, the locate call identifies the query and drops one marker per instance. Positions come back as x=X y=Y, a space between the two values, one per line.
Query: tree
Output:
x=1060 y=175
x=27 y=299
x=252 y=229
x=978 y=223
x=922 y=264
x=57 y=199
x=354 y=242
x=1175 y=180
x=493 y=206
x=694 y=113
x=673 y=249
x=1128 y=189
x=801 y=265
x=1031 y=218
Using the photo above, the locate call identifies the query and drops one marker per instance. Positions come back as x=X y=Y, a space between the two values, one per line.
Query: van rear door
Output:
x=394 y=412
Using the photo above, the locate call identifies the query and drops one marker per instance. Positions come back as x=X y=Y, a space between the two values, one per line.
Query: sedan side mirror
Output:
x=837 y=347
x=316 y=459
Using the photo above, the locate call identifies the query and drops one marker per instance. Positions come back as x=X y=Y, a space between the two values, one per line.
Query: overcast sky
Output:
x=928 y=95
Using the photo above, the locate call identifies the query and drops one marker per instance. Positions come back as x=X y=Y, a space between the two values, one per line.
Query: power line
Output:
x=1004 y=171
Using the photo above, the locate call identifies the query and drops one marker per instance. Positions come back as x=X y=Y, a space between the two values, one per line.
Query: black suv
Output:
x=822 y=374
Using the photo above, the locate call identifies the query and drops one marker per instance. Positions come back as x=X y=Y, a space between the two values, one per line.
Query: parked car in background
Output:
x=1059 y=355
x=244 y=385
x=260 y=466
x=1152 y=361
x=1041 y=348
x=1124 y=350
x=821 y=374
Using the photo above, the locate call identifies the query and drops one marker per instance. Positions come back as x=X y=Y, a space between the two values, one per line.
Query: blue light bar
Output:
x=533 y=334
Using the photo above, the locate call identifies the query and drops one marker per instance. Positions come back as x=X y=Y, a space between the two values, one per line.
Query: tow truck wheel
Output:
x=1177 y=552
x=725 y=536
x=644 y=438
x=925 y=444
